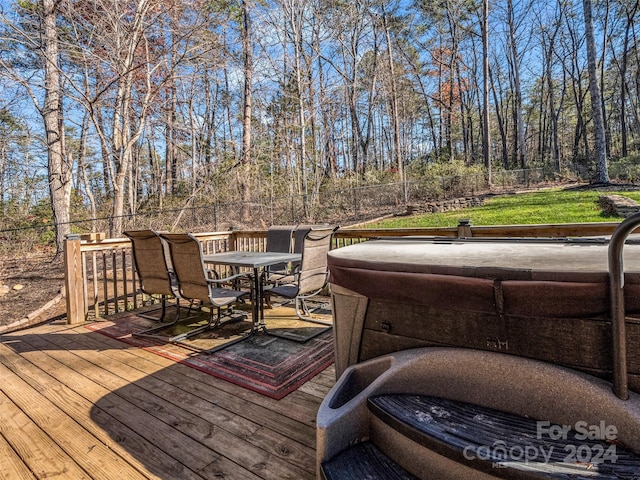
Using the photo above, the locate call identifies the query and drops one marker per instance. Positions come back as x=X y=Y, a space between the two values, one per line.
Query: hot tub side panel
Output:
x=563 y=323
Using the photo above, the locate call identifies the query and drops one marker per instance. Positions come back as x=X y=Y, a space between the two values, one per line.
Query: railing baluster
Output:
x=104 y=283
x=85 y=287
x=114 y=273
x=96 y=306
x=125 y=292
x=134 y=281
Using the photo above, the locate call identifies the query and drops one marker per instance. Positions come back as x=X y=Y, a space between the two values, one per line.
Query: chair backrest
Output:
x=151 y=263
x=279 y=239
x=186 y=256
x=301 y=232
x=313 y=266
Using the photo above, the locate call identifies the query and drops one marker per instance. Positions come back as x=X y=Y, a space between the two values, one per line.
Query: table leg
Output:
x=257 y=299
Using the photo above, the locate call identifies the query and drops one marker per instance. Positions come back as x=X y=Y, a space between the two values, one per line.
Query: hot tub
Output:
x=546 y=300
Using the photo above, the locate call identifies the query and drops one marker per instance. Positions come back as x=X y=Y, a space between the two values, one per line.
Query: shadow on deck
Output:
x=78 y=404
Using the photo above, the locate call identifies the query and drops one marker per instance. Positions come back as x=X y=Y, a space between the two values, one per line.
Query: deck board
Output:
x=129 y=445
x=71 y=437
x=300 y=410
x=12 y=467
x=158 y=436
x=35 y=447
x=78 y=404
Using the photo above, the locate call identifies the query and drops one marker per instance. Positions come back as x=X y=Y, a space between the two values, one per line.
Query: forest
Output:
x=109 y=107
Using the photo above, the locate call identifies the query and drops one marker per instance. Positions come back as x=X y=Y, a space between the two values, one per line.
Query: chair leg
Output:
x=162 y=315
x=304 y=313
x=267 y=301
x=196 y=331
x=149 y=333
x=211 y=324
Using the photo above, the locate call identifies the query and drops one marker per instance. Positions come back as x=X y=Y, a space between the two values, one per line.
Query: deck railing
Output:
x=100 y=278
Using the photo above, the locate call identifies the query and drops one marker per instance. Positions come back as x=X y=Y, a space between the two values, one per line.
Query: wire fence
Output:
x=341 y=207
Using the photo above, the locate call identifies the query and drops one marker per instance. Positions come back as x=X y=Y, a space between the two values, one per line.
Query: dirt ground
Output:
x=29 y=283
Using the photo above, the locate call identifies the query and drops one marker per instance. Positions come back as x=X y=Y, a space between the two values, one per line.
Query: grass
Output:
x=544 y=207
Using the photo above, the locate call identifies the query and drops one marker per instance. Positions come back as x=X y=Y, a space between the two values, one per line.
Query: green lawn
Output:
x=544 y=207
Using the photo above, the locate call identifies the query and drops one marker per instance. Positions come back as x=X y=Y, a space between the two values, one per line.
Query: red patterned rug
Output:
x=269 y=365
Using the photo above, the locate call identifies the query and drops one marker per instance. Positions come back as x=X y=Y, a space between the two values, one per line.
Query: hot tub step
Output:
x=362 y=461
x=502 y=444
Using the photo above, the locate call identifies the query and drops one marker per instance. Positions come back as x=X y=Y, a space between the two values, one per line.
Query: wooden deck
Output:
x=76 y=404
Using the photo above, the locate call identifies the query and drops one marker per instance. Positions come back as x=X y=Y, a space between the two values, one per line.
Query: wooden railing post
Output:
x=73 y=280
x=464 y=228
x=233 y=238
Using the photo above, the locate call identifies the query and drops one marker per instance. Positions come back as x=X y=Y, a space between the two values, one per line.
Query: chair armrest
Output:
x=244 y=275
x=211 y=274
x=277 y=278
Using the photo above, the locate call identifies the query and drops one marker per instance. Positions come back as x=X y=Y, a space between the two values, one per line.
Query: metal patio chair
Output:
x=154 y=273
x=280 y=240
x=276 y=238
x=196 y=282
x=310 y=276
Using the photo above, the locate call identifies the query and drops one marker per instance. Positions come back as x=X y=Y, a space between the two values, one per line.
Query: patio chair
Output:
x=282 y=273
x=279 y=239
x=310 y=277
x=154 y=273
x=196 y=282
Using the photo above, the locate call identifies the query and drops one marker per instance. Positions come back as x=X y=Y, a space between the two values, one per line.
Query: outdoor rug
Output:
x=269 y=365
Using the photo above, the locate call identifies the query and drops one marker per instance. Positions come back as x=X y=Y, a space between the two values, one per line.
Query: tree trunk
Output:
x=520 y=143
x=395 y=120
x=486 y=129
x=60 y=168
x=295 y=22
x=500 y=122
x=630 y=14
x=171 y=154
x=602 y=174
x=605 y=41
x=549 y=54
x=125 y=132
x=82 y=170
x=244 y=178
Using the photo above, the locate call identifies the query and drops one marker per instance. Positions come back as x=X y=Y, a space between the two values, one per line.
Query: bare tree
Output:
x=486 y=127
x=247 y=68
x=498 y=100
x=42 y=38
x=395 y=120
x=601 y=174
x=548 y=39
x=357 y=47
x=514 y=58
x=630 y=13
x=60 y=165
x=294 y=11
x=137 y=61
x=573 y=75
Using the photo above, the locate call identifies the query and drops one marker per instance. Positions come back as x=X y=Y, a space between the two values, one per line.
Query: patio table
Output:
x=256 y=261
